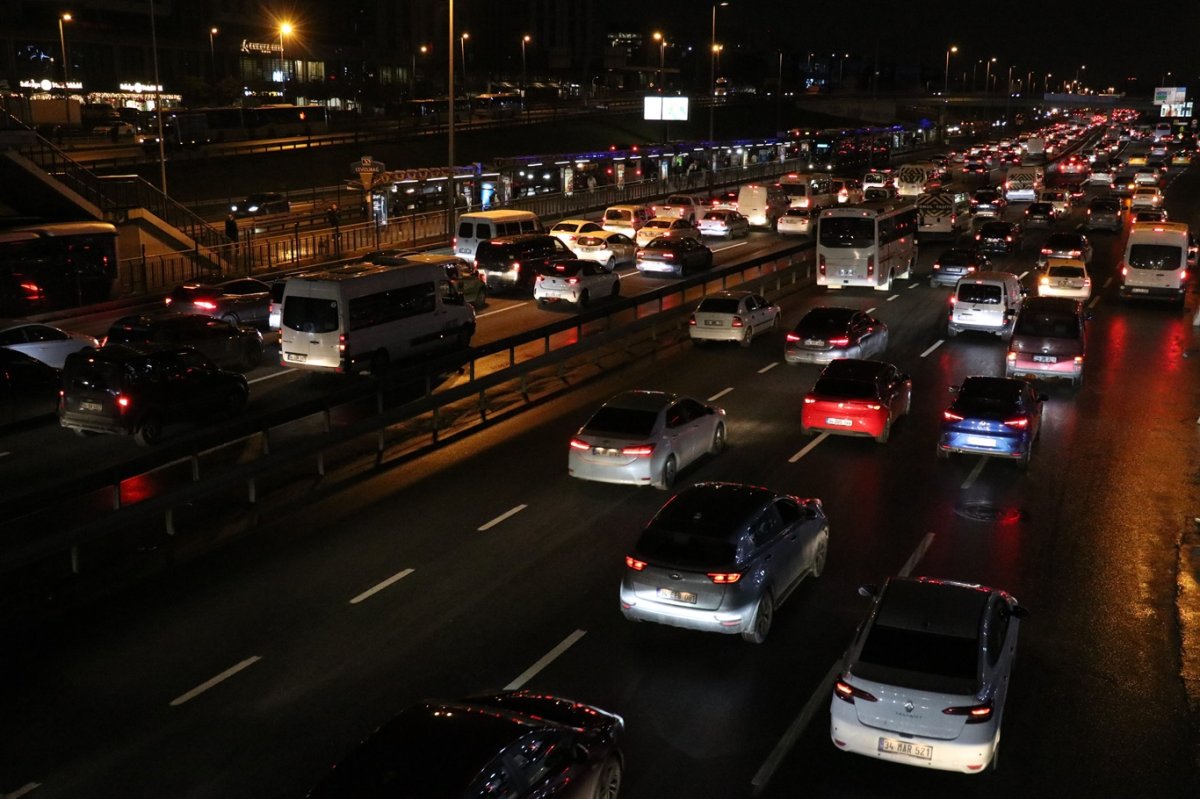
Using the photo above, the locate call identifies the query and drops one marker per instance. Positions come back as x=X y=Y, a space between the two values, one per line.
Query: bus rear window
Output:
x=310 y=314
x=837 y=231
x=1155 y=256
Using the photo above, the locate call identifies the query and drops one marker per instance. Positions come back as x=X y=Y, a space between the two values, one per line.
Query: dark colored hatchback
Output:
x=514 y=261
x=138 y=391
x=512 y=745
x=998 y=237
x=673 y=256
x=955 y=263
x=229 y=346
x=1040 y=214
x=28 y=387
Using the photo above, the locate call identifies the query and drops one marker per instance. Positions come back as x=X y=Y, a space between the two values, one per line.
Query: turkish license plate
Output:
x=894 y=747
x=677 y=596
x=90 y=406
x=839 y=422
x=296 y=357
x=981 y=441
x=814 y=342
x=1140 y=291
x=1045 y=359
x=714 y=323
x=846 y=273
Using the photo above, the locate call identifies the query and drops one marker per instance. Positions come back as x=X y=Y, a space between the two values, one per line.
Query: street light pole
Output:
x=524 y=41
x=162 y=149
x=62 y=44
x=946 y=77
x=285 y=29
x=450 y=123
x=987 y=76
x=212 y=51
x=779 y=94
x=462 y=44
x=412 y=76
x=712 y=72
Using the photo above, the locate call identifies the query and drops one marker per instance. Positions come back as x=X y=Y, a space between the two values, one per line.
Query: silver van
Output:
x=987 y=302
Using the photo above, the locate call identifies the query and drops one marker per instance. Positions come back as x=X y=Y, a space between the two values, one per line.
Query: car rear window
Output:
x=310 y=314
x=93 y=374
x=718 y=216
x=679 y=199
x=1064 y=271
x=565 y=269
x=843 y=387
x=1047 y=325
x=798 y=212
x=686 y=549
x=493 y=252
x=718 y=305
x=128 y=334
x=985 y=293
x=629 y=422
x=921 y=652
x=1041 y=208
x=617 y=215
x=568 y=227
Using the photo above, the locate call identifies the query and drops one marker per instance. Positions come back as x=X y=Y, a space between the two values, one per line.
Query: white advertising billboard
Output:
x=1172 y=95
x=671 y=109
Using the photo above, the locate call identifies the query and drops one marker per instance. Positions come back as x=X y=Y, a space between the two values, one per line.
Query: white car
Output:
x=1102 y=174
x=606 y=248
x=568 y=230
x=1146 y=197
x=876 y=180
x=795 y=222
x=669 y=228
x=682 y=206
x=1065 y=277
x=724 y=223
x=44 y=343
x=576 y=281
x=1059 y=198
x=732 y=316
x=925 y=679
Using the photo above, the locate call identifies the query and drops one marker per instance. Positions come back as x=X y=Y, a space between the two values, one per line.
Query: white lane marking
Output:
x=974 y=475
x=720 y=394
x=768 y=368
x=1108 y=282
x=500 y=310
x=730 y=246
x=869 y=310
x=820 y=697
x=502 y=517
x=630 y=273
x=545 y=660
x=271 y=376
x=808 y=448
x=375 y=589
x=1022 y=275
x=913 y=286
x=6 y=454
x=204 y=686
x=1095 y=301
x=27 y=788
x=934 y=346
x=893 y=297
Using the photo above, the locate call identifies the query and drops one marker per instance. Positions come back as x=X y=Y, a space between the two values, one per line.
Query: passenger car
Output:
x=1040 y=214
x=625 y=219
x=509 y=745
x=988 y=201
x=1059 y=199
x=955 y=263
x=998 y=237
x=827 y=333
x=139 y=390
x=857 y=398
x=1049 y=341
x=675 y=256
x=576 y=281
x=645 y=438
x=669 y=228
x=1104 y=214
x=229 y=346
x=1149 y=215
x=925 y=679
x=681 y=206
x=514 y=261
x=732 y=316
x=261 y=204
x=724 y=223
x=1146 y=197
x=1066 y=245
x=568 y=230
x=606 y=247
x=997 y=416
x=28 y=387
x=42 y=342
x=241 y=301
x=1065 y=277
x=720 y=557
x=795 y=222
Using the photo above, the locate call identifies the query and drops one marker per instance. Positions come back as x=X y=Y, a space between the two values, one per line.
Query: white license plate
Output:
x=840 y=422
x=677 y=596
x=1045 y=359
x=297 y=357
x=90 y=406
x=813 y=342
x=846 y=273
x=981 y=441
x=714 y=323
x=1140 y=291
x=894 y=747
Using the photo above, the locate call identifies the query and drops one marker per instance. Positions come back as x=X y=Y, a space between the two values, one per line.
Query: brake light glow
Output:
x=976 y=714
x=692 y=321
x=848 y=693
x=205 y=304
x=936 y=265
x=343 y=340
x=122 y=401
x=634 y=563
x=167 y=301
x=580 y=444
x=821 y=264
x=515 y=266
x=1012 y=356
x=737 y=322
x=1046 y=251
x=1078 y=360
x=571 y=281
x=1019 y=422
x=841 y=341
x=810 y=399
x=792 y=337
x=641 y=450
x=724 y=578
x=950 y=416
x=870 y=265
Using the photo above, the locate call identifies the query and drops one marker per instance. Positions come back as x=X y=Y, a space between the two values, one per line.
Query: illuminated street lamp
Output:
x=212 y=50
x=987 y=76
x=62 y=43
x=285 y=29
x=662 y=58
x=946 y=77
x=462 y=46
x=1046 y=82
x=712 y=74
x=526 y=39
x=1081 y=67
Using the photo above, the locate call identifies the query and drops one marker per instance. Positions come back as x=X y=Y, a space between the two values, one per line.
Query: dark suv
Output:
x=515 y=261
x=137 y=390
x=229 y=346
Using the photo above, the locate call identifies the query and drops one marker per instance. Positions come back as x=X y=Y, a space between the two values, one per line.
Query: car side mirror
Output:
x=869 y=590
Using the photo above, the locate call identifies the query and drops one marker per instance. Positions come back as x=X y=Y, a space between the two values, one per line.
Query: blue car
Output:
x=997 y=416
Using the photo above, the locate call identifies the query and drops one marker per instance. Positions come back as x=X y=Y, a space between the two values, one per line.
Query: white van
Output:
x=987 y=302
x=911 y=178
x=626 y=219
x=811 y=191
x=944 y=212
x=762 y=204
x=477 y=226
x=1155 y=262
x=369 y=315
x=1022 y=183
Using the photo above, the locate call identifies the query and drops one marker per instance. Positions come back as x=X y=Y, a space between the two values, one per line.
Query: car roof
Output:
x=642 y=400
x=933 y=606
x=733 y=295
x=712 y=509
x=855 y=369
x=1054 y=305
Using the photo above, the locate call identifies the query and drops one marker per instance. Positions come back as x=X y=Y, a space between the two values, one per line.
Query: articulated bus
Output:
x=866 y=245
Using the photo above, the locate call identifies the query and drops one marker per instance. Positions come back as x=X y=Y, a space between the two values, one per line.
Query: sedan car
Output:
x=1065 y=277
x=229 y=346
x=732 y=316
x=998 y=237
x=857 y=398
x=828 y=333
x=45 y=343
x=721 y=557
x=955 y=263
x=576 y=281
x=996 y=416
x=988 y=201
x=724 y=223
x=673 y=256
x=510 y=745
x=795 y=222
x=645 y=438
x=1149 y=215
x=925 y=680
x=606 y=247
x=1146 y=197
x=28 y=388
x=1066 y=245
x=1040 y=215
x=667 y=228
x=261 y=204
x=242 y=301
x=569 y=230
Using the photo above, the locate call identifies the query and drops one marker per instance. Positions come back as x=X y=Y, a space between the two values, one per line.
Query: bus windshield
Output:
x=845 y=231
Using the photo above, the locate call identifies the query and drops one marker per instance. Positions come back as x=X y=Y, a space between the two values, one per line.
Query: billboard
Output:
x=1170 y=94
x=1176 y=109
x=671 y=109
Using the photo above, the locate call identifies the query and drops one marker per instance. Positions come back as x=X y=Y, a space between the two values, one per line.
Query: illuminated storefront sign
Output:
x=138 y=88
x=261 y=47
x=47 y=85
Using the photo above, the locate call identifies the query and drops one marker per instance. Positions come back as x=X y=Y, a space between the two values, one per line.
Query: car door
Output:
x=624 y=250
x=765 y=311
x=800 y=538
x=1001 y=642
x=675 y=430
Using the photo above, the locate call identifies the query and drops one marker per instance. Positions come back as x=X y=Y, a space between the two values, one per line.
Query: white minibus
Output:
x=810 y=191
x=762 y=203
x=944 y=212
x=866 y=245
x=477 y=226
x=911 y=178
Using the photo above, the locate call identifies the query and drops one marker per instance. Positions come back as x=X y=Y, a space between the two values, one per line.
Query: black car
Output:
x=28 y=387
x=988 y=201
x=955 y=263
x=243 y=300
x=998 y=237
x=1040 y=214
x=512 y=745
x=673 y=256
x=229 y=346
x=261 y=204
x=515 y=261
x=138 y=390
x=1066 y=245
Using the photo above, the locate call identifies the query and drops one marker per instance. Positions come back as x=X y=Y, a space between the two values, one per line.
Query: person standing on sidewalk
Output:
x=334 y=219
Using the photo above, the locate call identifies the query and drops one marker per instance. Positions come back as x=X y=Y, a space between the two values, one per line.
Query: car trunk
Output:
x=686 y=588
x=892 y=713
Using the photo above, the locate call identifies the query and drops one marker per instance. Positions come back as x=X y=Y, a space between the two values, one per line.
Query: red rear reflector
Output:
x=692 y=321
x=634 y=563
x=580 y=444
x=343 y=340
x=724 y=578
x=737 y=322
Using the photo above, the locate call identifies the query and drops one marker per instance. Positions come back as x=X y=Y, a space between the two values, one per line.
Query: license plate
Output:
x=714 y=322
x=840 y=422
x=1045 y=359
x=90 y=406
x=297 y=357
x=894 y=747
x=677 y=596
x=981 y=441
x=1140 y=291
x=846 y=272
x=813 y=342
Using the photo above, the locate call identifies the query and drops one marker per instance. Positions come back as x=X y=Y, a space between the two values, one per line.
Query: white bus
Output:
x=911 y=178
x=368 y=315
x=762 y=203
x=866 y=245
x=809 y=191
x=944 y=212
x=1155 y=262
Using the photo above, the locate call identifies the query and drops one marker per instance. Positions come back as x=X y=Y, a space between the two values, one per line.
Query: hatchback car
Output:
x=1065 y=277
x=721 y=557
x=667 y=228
x=926 y=677
x=955 y=263
x=569 y=230
x=998 y=237
x=1149 y=215
x=242 y=301
x=1040 y=215
x=827 y=333
x=606 y=248
x=229 y=346
x=1049 y=341
x=795 y=222
x=997 y=416
x=988 y=201
x=673 y=256
x=724 y=223
x=1104 y=214
x=1059 y=199
x=732 y=316
x=857 y=398
x=1066 y=245
x=261 y=204
x=28 y=387
x=575 y=281
x=510 y=745
x=645 y=438
x=43 y=342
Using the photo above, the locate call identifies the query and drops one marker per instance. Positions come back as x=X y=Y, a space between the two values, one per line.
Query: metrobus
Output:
x=235 y=123
x=944 y=211
x=56 y=265
x=911 y=178
x=869 y=244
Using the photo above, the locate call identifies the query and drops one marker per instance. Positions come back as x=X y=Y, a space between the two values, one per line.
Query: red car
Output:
x=857 y=398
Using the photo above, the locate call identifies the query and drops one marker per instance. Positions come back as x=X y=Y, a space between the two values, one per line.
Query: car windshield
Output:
x=1047 y=325
x=985 y=293
x=956 y=258
x=845 y=231
x=921 y=652
x=628 y=422
x=617 y=215
x=844 y=387
x=727 y=305
x=310 y=314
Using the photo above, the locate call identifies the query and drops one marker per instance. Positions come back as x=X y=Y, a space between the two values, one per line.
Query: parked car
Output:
x=575 y=281
x=43 y=342
x=240 y=301
x=138 y=390
x=28 y=387
x=510 y=745
x=825 y=334
x=606 y=248
x=724 y=223
x=673 y=256
x=645 y=438
x=857 y=398
x=732 y=316
x=261 y=204
x=926 y=677
x=227 y=345
x=721 y=557
x=997 y=416
x=955 y=263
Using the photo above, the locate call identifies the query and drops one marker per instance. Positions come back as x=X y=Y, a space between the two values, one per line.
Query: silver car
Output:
x=720 y=557
x=724 y=223
x=645 y=438
x=244 y=301
x=732 y=316
x=41 y=342
x=826 y=334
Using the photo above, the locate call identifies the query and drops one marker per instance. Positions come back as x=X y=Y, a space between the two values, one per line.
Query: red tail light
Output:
x=821 y=264
x=168 y=301
x=205 y=304
x=970 y=269
x=809 y=399
x=122 y=401
x=950 y=416
x=737 y=322
x=839 y=342
x=539 y=278
x=978 y=236
x=343 y=340
x=641 y=451
x=936 y=265
x=634 y=563
x=1046 y=251
x=792 y=337
x=1019 y=422
x=1183 y=275
x=976 y=714
x=848 y=693
x=724 y=578
x=1008 y=238
x=572 y=281
x=692 y=321
x=580 y=444
x=870 y=265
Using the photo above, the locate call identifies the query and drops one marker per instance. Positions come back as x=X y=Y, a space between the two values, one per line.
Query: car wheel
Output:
x=149 y=432
x=764 y=614
x=932 y=283
x=541 y=303
x=379 y=363
x=481 y=298
x=1023 y=462
x=669 y=471
x=747 y=337
x=230 y=319
x=718 y=442
x=943 y=454
x=818 y=562
x=951 y=332
x=252 y=356
x=616 y=288
x=608 y=784
x=882 y=438
x=583 y=299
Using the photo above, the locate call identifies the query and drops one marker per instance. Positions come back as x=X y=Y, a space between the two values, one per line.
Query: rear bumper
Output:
x=732 y=621
x=95 y=424
x=1063 y=370
x=970 y=753
x=1153 y=292
x=705 y=333
x=960 y=443
x=861 y=424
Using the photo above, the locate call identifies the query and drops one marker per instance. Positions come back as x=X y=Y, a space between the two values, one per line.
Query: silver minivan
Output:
x=987 y=302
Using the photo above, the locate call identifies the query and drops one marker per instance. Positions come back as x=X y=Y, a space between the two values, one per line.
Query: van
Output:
x=1048 y=341
x=370 y=315
x=811 y=191
x=627 y=219
x=1155 y=261
x=944 y=212
x=478 y=226
x=513 y=262
x=1022 y=183
x=681 y=206
x=762 y=204
x=987 y=302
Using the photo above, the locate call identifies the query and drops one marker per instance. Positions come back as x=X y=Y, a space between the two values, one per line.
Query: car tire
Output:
x=885 y=434
x=379 y=363
x=608 y=783
x=542 y=303
x=252 y=356
x=819 y=557
x=718 y=441
x=670 y=471
x=149 y=431
x=616 y=288
x=230 y=319
x=764 y=614
x=83 y=433
x=583 y=299
x=747 y=337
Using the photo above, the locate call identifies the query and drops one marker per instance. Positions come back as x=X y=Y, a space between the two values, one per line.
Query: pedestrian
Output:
x=231 y=228
x=335 y=221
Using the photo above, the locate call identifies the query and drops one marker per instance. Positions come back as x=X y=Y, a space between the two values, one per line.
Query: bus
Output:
x=1155 y=262
x=56 y=265
x=866 y=245
x=500 y=105
x=911 y=178
x=234 y=123
x=944 y=211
